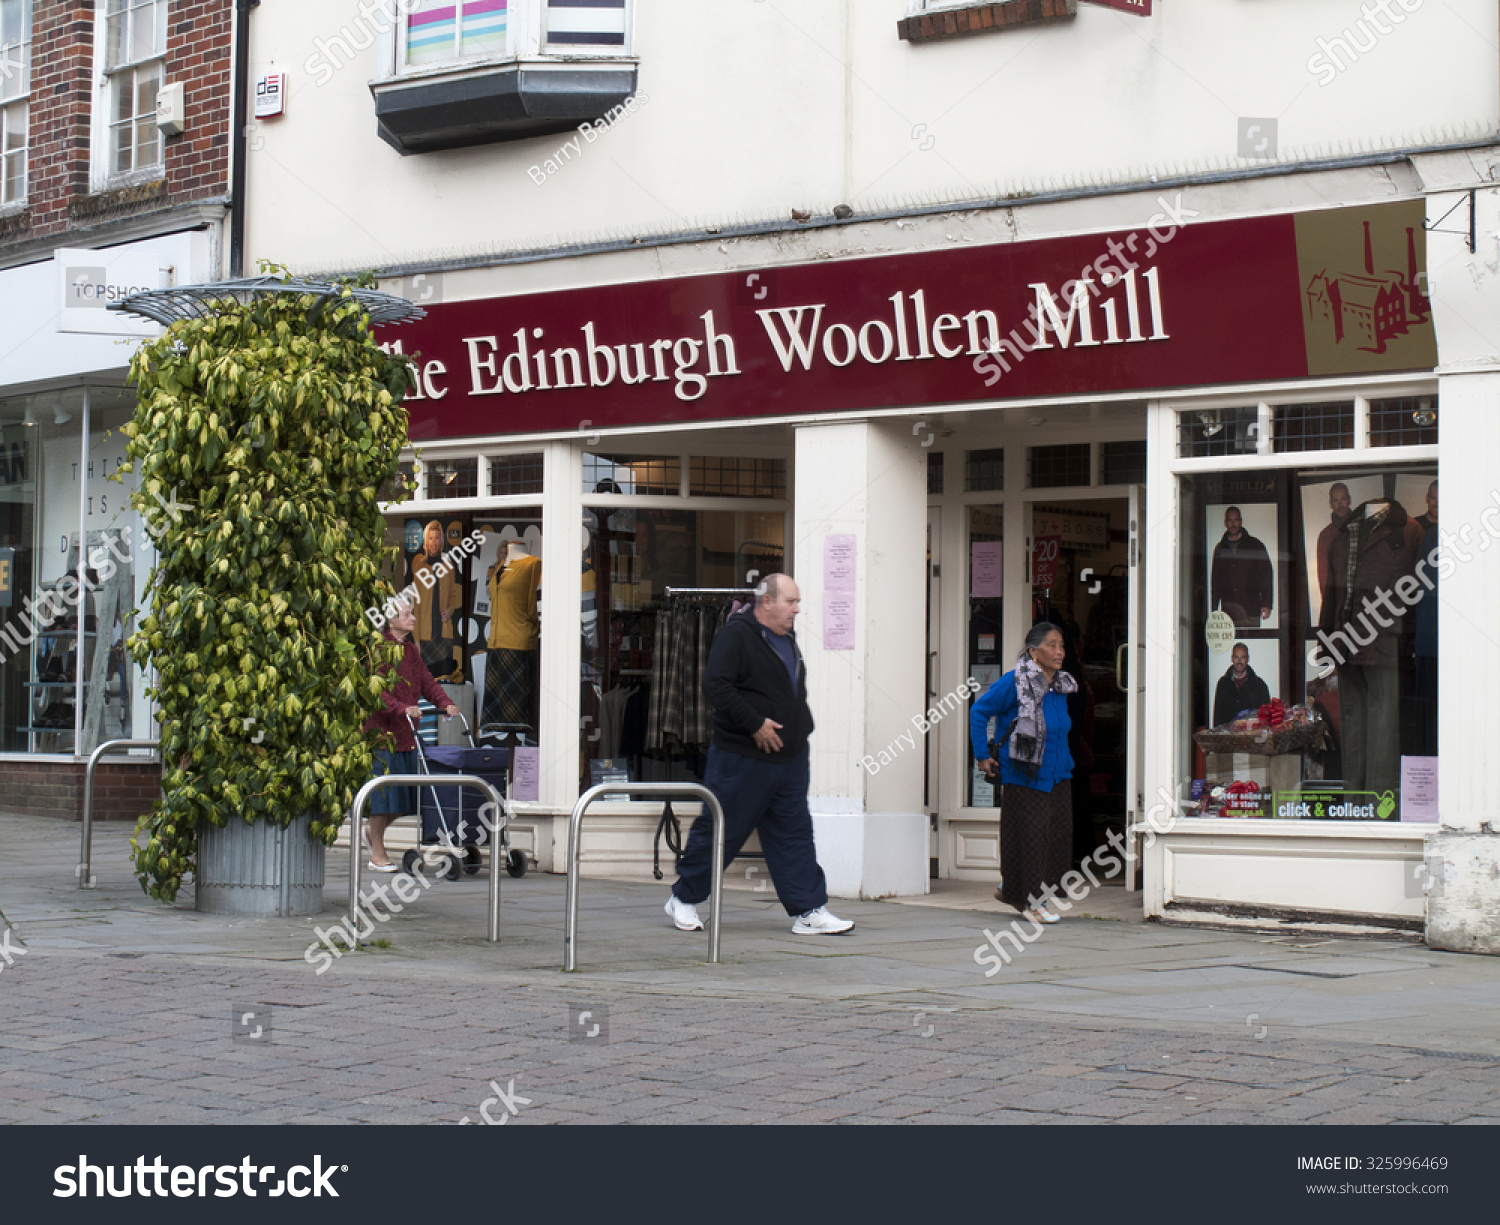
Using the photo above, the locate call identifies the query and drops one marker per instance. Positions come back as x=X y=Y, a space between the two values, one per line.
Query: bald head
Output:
x=778 y=603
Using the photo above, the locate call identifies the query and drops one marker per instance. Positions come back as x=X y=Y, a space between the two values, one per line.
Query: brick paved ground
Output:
x=120 y=1011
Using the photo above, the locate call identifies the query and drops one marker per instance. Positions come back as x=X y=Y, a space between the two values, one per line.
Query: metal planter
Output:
x=260 y=870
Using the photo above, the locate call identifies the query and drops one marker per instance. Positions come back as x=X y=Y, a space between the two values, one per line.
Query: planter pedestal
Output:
x=259 y=870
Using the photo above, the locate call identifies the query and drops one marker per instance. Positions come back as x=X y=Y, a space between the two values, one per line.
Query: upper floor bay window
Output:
x=134 y=51
x=15 y=89
x=446 y=31
x=456 y=73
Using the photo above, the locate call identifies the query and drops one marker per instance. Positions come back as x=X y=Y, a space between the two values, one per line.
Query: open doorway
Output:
x=1081 y=576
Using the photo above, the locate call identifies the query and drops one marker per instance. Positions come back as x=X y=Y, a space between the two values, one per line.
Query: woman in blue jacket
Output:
x=1030 y=707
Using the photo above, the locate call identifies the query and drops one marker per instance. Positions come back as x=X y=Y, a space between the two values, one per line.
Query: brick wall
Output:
x=979 y=18
x=196 y=163
x=55 y=789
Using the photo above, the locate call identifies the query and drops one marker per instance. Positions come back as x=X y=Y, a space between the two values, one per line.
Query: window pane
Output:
x=586 y=23
x=15 y=177
x=984 y=470
x=124 y=87
x=484 y=23
x=516 y=474
x=737 y=477
x=1410 y=421
x=453 y=478
x=1280 y=573
x=114 y=39
x=986 y=657
x=122 y=149
x=1122 y=463
x=147 y=143
x=15 y=48
x=1050 y=467
x=641 y=474
x=431 y=32
x=147 y=86
x=143 y=31
x=1315 y=427
x=1218 y=431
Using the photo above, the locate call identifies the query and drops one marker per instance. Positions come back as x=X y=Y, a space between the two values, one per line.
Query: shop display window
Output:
x=1307 y=640
x=478 y=612
x=657 y=586
x=66 y=681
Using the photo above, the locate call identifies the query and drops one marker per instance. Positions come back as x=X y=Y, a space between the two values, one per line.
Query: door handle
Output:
x=1120 y=666
x=931 y=692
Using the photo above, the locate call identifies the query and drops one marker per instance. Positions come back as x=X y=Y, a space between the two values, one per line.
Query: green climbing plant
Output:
x=263 y=435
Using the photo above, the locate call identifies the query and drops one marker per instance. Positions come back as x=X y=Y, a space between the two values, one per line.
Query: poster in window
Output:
x=1245 y=678
x=1242 y=541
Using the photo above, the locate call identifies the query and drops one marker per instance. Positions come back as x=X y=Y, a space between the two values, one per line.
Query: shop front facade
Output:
x=75 y=558
x=946 y=445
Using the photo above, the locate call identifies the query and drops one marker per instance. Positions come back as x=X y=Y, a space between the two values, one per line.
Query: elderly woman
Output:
x=398 y=753
x=1030 y=706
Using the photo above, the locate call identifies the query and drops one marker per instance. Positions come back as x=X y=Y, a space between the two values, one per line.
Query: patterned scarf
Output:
x=1029 y=740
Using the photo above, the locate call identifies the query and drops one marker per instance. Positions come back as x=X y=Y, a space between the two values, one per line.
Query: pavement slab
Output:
x=122 y=1010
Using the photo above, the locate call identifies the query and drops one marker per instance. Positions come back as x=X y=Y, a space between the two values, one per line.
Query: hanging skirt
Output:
x=510 y=679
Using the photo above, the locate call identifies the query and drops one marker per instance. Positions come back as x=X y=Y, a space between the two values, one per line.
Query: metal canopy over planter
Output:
x=167 y=306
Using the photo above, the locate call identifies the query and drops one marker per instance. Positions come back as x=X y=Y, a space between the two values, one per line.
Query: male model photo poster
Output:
x=1243 y=545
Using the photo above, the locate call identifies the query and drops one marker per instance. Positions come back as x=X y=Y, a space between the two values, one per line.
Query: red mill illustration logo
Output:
x=1365 y=305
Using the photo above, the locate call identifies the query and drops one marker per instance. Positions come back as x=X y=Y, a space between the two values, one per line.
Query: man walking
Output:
x=758 y=764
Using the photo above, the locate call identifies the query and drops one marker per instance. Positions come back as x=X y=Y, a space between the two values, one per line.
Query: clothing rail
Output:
x=671 y=591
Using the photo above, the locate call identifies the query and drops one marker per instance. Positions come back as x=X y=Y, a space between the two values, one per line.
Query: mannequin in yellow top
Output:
x=510 y=674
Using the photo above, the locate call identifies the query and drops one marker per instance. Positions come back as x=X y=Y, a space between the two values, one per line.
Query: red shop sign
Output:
x=1180 y=302
x=1044 y=551
x=1141 y=8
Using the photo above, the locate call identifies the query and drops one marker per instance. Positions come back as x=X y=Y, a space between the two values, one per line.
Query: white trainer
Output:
x=820 y=922
x=684 y=914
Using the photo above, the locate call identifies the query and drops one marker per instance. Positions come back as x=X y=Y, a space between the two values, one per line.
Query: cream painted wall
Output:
x=756 y=108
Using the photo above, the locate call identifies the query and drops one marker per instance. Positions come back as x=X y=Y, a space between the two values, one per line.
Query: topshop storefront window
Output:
x=74 y=562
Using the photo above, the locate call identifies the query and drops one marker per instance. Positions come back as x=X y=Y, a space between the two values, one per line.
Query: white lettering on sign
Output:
x=1118 y=308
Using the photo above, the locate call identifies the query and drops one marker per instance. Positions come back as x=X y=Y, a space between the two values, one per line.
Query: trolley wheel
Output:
x=516 y=863
x=473 y=860
x=411 y=863
x=454 y=867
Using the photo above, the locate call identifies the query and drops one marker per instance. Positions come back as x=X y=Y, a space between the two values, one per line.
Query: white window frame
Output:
x=525 y=32
x=15 y=105
x=108 y=81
